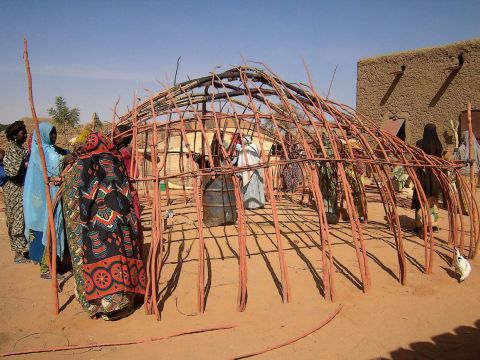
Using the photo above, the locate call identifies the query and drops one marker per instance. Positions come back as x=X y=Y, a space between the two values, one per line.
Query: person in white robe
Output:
x=253 y=188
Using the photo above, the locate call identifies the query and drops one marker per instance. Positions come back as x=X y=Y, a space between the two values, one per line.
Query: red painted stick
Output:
x=292 y=340
x=120 y=343
x=472 y=184
x=51 y=223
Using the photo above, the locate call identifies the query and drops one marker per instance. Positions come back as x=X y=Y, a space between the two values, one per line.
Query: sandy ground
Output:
x=432 y=317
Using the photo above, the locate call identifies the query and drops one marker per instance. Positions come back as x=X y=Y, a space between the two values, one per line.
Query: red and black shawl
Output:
x=112 y=260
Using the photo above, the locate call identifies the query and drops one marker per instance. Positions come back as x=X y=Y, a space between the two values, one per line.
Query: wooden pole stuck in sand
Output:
x=51 y=223
x=470 y=146
x=112 y=134
x=473 y=184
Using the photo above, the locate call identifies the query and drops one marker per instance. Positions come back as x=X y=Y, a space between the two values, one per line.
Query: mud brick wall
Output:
x=421 y=86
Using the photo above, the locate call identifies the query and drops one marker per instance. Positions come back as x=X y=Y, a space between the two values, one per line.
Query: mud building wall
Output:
x=421 y=86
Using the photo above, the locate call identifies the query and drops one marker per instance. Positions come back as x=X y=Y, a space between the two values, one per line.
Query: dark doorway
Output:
x=395 y=126
x=401 y=133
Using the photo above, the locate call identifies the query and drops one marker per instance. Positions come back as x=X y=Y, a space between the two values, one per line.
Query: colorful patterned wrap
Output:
x=111 y=255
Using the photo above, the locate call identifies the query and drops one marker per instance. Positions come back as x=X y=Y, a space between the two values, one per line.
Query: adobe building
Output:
x=402 y=92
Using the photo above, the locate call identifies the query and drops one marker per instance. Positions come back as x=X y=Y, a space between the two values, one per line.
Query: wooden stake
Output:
x=472 y=183
x=51 y=223
x=113 y=119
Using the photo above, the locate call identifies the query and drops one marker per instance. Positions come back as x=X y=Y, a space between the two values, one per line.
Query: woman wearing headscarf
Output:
x=431 y=145
x=35 y=201
x=291 y=173
x=14 y=163
x=327 y=173
x=253 y=188
x=102 y=231
x=354 y=173
x=463 y=154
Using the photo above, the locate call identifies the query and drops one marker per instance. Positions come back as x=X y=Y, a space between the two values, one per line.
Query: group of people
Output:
x=431 y=145
x=247 y=153
x=96 y=215
x=333 y=197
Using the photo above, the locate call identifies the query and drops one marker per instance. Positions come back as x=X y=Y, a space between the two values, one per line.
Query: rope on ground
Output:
x=291 y=341
x=121 y=343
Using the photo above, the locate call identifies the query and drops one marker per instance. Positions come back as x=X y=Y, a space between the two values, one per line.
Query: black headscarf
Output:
x=14 y=129
x=125 y=139
x=430 y=143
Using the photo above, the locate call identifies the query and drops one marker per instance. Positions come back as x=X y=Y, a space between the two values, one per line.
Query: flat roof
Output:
x=470 y=42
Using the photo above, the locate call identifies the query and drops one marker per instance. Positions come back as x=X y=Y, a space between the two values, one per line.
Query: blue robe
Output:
x=34 y=195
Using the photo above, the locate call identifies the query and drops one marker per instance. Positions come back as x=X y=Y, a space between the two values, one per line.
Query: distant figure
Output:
x=102 y=231
x=355 y=177
x=291 y=173
x=328 y=177
x=431 y=145
x=463 y=154
x=35 y=201
x=14 y=164
x=253 y=188
x=122 y=142
x=3 y=176
x=217 y=155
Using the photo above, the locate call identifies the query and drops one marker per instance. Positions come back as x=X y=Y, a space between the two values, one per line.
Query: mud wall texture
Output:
x=421 y=86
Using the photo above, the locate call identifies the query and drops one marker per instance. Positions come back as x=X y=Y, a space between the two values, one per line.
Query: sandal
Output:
x=117 y=315
x=48 y=276
x=21 y=260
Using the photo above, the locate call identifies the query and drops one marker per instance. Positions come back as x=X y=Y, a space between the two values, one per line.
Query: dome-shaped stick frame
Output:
x=292 y=116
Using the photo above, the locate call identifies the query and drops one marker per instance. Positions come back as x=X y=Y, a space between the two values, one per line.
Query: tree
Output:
x=63 y=117
x=82 y=137
x=96 y=123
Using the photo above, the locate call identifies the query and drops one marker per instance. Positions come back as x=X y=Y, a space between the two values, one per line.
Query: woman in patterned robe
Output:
x=354 y=173
x=327 y=174
x=291 y=173
x=102 y=233
x=14 y=162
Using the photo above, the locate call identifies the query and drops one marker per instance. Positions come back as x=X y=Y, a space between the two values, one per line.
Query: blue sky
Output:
x=92 y=52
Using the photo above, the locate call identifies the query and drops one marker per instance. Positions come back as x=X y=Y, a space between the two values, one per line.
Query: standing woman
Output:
x=35 y=201
x=14 y=162
x=291 y=173
x=431 y=145
x=355 y=177
x=327 y=173
x=463 y=154
x=102 y=231
x=253 y=188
